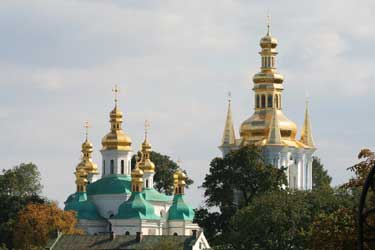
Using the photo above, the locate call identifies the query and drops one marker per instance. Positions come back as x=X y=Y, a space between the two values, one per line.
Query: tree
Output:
x=164 y=170
x=22 y=180
x=271 y=222
x=18 y=187
x=320 y=177
x=242 y=171
x=36 y=223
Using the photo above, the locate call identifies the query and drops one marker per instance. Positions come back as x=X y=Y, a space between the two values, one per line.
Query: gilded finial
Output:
x=87 y=126
x=268 y=23
x=229 y=96
x=116 y=91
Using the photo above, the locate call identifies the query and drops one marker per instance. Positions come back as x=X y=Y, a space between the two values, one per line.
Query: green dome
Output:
x=85 y=209
x=151 y=194
x=136 y=207
x=111 y=184
x=180 y=210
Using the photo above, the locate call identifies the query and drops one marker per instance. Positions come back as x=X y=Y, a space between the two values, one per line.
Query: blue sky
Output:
x=175 y=61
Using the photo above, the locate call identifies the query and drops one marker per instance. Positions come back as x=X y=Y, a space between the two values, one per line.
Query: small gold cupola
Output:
x=81 y=180
x=87 y=163
x=179 y=182
x=116 y=138
x=146 y=164
x=137 y=178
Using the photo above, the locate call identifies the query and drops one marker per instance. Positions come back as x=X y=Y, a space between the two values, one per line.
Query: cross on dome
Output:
x=116 y=91
x=87 y=125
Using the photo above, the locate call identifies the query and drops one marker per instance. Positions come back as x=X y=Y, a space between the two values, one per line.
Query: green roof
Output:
x=111 y=184
x=180 y=210
x=151 y=194
x=136 y=207
x=85 y=209
x=125 y=242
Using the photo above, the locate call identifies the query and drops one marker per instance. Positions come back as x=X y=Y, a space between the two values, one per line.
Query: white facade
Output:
x=116 y=162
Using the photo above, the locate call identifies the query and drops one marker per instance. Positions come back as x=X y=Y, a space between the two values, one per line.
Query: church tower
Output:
x=116 y=150
x=269 y=128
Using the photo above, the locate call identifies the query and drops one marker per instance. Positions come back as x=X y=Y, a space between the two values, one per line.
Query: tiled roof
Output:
x=121 y=242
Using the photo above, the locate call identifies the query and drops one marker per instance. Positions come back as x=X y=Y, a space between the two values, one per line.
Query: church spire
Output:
x=274 y=136
x=306 y=135
x=229 y=136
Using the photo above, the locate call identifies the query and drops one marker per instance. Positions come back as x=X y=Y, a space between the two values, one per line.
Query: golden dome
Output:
x=86 y=163
x=256 y=128
x=268 y=42
x=116 y=138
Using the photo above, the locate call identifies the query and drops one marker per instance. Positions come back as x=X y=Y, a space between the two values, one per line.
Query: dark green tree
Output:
x=164 y=169
x=242 y=171
x=320 y=177
x=19 y=186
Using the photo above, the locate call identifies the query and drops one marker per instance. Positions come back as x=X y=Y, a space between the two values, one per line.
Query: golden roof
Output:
x=229 y=136
x=179 y=178
x=306 y=135
x=116 y=138
x=86 y=161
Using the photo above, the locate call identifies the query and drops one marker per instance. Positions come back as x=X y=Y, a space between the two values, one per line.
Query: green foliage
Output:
x=164 y=169
x=320 y=177
x=18 y=187
x=22 y=180
x=242 y=170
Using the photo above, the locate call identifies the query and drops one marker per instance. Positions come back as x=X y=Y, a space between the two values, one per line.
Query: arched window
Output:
x=127 y=233
x=277 y=101
x=146 y=183
x=269 y=101
x=112 y=170
x=257 y=101
x=122 y=166
x=103 y=167
x=175 y=234
x=263 y=101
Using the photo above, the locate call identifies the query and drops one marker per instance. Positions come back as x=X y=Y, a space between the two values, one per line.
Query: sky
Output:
x=174 y=62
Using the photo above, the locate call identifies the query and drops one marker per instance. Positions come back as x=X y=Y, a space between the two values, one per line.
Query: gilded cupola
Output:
x=268 y=87
x=116 y=138
x=145 y=163
x=87 y=163
x=137 y=179
x=179 y=181
x=81 y=180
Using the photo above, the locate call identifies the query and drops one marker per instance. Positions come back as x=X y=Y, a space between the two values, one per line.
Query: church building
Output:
x=123 y=201
x=269 y=128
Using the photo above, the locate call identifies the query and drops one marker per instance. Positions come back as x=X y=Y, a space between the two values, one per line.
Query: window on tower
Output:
x=269 y=101
x=146 y=183
x=122 y=167
x=257 y=101
x=112 y=166
x=277 y=101
x=263 y=101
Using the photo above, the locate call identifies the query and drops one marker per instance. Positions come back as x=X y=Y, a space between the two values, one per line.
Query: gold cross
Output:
x=229 y=96
x=179 y=161
x=268 y=22
x=115 y=91
x=147 y=126
x=87 y=126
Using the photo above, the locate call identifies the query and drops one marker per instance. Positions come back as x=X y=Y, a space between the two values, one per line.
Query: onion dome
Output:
x=137 y=179
x=256 y=128
x=87 y=163
x=268 y=73
x=146 y=164
x=116 y=138
x=180 y=210
x=81 y=179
